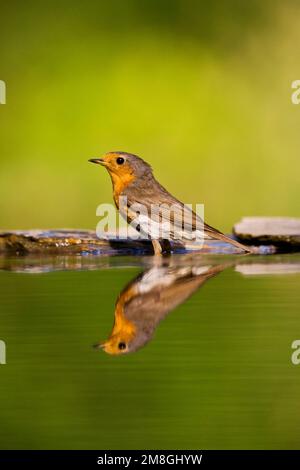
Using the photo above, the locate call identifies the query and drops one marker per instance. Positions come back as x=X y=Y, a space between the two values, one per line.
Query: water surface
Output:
x=213 y=369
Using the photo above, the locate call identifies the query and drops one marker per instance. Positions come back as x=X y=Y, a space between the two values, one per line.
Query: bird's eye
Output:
x=120 y=160
x=122 y=346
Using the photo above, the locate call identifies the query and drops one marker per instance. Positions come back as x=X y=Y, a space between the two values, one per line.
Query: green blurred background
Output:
x=201 y=90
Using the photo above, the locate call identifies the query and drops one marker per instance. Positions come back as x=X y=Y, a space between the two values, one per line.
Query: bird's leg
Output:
x=156 y=247
x=161 y=247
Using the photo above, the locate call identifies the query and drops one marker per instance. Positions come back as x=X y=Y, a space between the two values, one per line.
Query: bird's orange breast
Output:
x=120 y=182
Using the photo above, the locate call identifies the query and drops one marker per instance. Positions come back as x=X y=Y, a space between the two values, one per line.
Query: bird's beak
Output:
x=98 y=161
x=99 y=345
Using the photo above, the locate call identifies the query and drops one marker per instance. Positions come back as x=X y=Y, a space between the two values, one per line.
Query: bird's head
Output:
x=115 y=345
x=122 y=165
x=127 y=340
x=123 y=332
x=120 y=339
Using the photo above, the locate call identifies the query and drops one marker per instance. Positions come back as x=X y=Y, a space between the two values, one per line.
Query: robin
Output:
x=146 y=301
x=135 y=187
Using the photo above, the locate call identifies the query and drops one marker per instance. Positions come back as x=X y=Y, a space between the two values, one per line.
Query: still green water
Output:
x=216 y=372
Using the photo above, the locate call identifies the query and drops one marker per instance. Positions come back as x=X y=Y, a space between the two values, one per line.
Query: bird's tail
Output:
x=216 y=235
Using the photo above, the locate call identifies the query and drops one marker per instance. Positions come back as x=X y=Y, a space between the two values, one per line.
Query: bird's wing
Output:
x=161 y=207
x=160 y=290
x=158 y=200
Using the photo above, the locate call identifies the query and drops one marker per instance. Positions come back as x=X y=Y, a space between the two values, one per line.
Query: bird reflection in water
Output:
x=147 y=299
